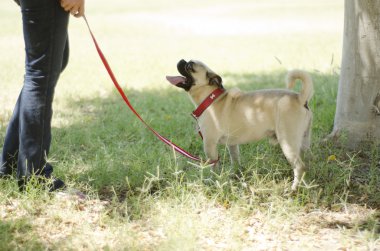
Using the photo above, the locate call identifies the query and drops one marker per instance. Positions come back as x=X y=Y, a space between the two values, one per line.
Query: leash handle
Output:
x=120 y=90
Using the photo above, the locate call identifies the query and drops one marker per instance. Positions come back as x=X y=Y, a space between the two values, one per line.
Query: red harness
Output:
x=205 y=104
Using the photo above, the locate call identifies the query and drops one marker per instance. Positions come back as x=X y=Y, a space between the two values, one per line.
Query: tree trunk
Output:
x=358 y=103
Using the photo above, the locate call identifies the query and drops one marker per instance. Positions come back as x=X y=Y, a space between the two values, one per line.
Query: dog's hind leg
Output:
x=290 y=129
x=234 y=154
x=292 y=154
x=307 y=135
x=298 y=170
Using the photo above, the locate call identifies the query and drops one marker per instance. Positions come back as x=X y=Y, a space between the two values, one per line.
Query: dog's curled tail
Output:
x=307 y=84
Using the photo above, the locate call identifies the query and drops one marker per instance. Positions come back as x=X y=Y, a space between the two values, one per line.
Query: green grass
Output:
x=141 y=195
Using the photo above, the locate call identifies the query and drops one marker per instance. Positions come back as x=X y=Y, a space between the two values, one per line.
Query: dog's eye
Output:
x=190 y=67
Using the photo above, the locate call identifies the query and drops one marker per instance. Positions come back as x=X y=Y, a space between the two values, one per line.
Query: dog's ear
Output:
x=214 y=79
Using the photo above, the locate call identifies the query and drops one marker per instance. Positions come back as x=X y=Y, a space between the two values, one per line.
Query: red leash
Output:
x=113 y=78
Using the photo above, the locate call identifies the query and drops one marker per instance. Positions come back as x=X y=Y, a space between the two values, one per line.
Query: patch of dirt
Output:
x=68 y=222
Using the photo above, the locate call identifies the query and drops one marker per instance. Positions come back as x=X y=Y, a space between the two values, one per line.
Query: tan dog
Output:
x=235 y=117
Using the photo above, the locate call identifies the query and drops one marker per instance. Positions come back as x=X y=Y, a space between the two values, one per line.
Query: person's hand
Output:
x=76 y=7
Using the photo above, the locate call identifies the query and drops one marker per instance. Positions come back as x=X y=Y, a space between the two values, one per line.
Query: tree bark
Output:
x=358 y=103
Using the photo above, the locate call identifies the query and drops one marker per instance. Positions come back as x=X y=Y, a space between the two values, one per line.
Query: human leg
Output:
x=45 y=35
x=10 y=149
x=9 y=156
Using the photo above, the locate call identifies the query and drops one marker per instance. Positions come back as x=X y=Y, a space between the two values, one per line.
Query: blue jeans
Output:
x=28 y=136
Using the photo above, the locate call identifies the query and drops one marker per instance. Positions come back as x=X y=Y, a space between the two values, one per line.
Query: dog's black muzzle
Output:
x=184 y=68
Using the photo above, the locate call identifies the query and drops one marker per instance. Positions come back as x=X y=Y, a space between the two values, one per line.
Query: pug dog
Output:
x=233 y=117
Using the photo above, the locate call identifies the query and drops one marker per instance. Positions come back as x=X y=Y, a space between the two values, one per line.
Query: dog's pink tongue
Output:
x=175 y=80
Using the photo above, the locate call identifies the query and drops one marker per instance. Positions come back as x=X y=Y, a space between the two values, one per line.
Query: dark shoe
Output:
x=55 y=184
x=5 y=172
x=52 y=184
x=5 y=176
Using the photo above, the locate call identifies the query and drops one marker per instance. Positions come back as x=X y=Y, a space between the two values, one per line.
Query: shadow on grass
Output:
x=106 y=147
x=13 y=234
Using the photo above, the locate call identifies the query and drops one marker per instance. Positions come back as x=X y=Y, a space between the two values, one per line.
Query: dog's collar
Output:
x=207 y=102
